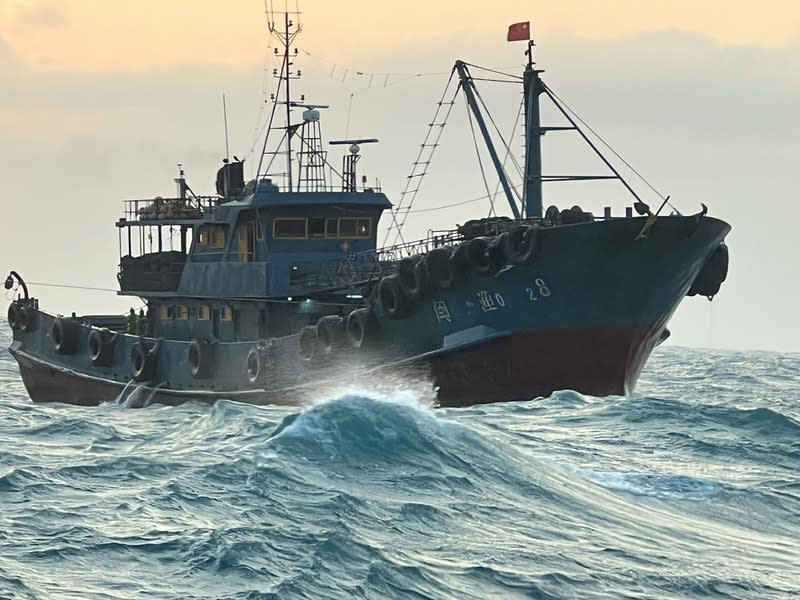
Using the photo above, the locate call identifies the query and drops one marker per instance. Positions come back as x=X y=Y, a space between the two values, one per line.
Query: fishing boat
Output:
x=278 y=283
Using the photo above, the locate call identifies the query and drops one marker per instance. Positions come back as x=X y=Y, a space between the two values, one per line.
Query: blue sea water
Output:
x=688 y=489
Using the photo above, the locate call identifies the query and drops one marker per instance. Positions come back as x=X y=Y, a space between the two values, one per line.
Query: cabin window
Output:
x=226 y=313
x=213 y=237
x=316 y=228
x=181 y=312
x=354 y=228
x=165 y=313
x=204 y=312
x=331 y=228
x=289 y=228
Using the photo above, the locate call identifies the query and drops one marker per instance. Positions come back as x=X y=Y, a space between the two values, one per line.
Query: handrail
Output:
x=165 y=209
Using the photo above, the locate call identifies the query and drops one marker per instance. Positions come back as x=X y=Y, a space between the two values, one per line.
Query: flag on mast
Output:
x=519 y=32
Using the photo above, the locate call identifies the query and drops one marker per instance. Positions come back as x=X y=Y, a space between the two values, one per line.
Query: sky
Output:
x=99 y=101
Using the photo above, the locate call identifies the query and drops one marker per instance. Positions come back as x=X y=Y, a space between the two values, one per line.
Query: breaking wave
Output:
x=687 y=489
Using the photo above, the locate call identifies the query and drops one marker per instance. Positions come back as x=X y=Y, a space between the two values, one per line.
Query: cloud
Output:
x=41 y=14
x=704 y=121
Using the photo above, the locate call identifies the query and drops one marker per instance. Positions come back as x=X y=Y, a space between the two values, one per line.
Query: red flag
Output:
x=519 y=31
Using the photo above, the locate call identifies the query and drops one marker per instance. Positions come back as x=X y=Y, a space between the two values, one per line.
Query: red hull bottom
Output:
x=597 y=361
x=600 y=361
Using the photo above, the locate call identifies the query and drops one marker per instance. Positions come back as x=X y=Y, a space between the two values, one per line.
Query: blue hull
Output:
x=584 y=314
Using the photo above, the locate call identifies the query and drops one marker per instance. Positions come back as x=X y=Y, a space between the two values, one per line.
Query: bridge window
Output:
x=316 y=228
x=226 y=313
x=181 y=312
x=354 y=228
x=350 y=228
x=165 y=313
x=286 y=229
x=331 y=228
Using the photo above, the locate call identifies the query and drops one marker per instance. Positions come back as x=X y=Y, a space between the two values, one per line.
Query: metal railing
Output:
x=169 y=209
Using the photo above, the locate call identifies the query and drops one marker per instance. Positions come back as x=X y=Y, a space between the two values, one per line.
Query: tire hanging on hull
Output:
x=100 y=347
x=64 y=335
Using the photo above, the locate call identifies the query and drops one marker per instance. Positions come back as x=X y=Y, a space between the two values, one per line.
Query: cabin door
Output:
x=247 y=241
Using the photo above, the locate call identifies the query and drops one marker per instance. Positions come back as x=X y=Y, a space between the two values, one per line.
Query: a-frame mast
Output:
x=467 y=86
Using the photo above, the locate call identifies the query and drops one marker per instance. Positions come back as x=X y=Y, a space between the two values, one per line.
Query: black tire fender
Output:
x=411 y=275
x=142 y=360
x=483 y=257
x=459 y=260
x=520 y=244
x=199 y=354
x=13 y=316
x=27 y=318
x=360 y=327
x=329 y=332
x=100 y=347
x=395 y=303
x=254 y=365
x=440 y=268
x=64 y=335
x=309 y=344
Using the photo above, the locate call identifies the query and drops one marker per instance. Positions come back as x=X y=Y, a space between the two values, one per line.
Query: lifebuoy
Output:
x=100 y=347
x=440 y=268
x=519 y=245
x=64 y=334
x=484 y=258
x=308 y=342
x=141 y=362
x=329 y=332
x=411 y=275
x=13 y=316
x=395 y=303
x=199 y=355
x=360 y=324
x=27 y=318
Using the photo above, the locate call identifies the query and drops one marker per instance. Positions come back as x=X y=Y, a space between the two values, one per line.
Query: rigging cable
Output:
x=424 y=157
x=454 y=204
x=508 y=153
x=502 y=139
x=607 y=145
x=478 y=152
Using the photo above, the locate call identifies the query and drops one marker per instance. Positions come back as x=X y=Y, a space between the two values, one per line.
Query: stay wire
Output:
x=614 y=152
x=453 y=205
x=478 y=152
x=502 y=139
x=508 y=153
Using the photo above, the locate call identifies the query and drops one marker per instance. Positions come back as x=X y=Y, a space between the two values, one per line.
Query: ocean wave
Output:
x=687 y=489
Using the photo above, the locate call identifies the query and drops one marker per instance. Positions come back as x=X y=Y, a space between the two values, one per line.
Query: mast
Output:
x=532 y=187
x=468 y=86
x=288 y=97
x=285 y=33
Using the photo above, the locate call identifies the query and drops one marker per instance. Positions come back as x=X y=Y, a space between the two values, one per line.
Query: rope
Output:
x=73 y=287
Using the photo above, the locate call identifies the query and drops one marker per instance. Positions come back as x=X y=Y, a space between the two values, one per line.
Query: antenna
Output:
x=285 y=36
x=349 y=161
x=225 y=118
